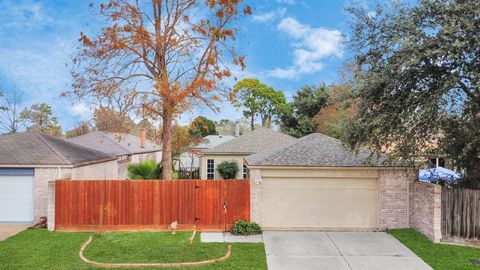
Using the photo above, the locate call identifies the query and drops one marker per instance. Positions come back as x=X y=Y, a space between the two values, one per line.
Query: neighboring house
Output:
x=29 y=160
x=315 y=183
x=128 y=148
x=237 y=149
x=191 y=159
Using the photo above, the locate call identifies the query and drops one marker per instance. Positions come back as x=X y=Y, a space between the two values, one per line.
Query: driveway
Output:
x=7 y=230
x=338 y=251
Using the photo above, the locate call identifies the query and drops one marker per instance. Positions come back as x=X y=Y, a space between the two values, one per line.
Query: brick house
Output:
x=29 y=160
x=315 y=183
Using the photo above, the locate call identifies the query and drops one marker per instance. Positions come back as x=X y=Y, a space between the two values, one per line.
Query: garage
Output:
x=299 y=199
x=16 y=195
x=314 y=183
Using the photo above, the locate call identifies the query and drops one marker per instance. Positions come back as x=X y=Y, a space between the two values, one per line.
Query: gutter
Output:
x=85 y=163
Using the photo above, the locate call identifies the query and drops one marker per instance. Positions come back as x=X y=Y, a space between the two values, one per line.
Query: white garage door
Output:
x=319 y=203
x=16 y=198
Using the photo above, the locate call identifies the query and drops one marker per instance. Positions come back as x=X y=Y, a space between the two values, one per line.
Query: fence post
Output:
x=51 y=206
x=437 y=213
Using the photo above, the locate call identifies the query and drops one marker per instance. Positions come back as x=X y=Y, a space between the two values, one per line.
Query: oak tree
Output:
x=418 y=79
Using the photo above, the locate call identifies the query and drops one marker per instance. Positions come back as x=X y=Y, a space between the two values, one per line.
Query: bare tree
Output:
x=170 y=54
x=10 y=119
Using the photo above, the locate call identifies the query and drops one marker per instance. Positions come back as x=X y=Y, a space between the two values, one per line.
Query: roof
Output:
x=214 y=140
x=252 y=142
x=115 y=143
x=36 y=148
x=315 y=150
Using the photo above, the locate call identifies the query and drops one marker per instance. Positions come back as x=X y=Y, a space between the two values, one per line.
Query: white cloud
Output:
x=269 y=16
x=311 y=46
x=25 y=14
x=290 y=2
x=82 y=110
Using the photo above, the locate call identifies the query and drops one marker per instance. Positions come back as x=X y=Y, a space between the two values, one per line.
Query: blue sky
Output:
x=287 y=44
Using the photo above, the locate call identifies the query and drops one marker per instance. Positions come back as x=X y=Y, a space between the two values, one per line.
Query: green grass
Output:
x=438 y=256
x=40 y=249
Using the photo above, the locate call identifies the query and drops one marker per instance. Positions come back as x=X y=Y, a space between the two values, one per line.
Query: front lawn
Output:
x=40 y=249
x=438 y=256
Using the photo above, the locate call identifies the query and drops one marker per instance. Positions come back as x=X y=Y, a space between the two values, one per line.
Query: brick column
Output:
x=394 y=197
x=255 y=195
x=51 y=206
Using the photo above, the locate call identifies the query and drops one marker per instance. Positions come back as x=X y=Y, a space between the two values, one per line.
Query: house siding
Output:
x=218 y=159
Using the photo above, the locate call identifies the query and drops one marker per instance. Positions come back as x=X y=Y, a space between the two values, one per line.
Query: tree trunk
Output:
x=167 y=146
x=252 y=121
x=266 y=122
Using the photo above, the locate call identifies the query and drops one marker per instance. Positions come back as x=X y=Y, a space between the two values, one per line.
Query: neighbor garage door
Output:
x=16 y=195
x=319 y=199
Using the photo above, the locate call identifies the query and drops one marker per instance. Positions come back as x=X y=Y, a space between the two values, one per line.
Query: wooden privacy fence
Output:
x=460 y=213
x=92 y=205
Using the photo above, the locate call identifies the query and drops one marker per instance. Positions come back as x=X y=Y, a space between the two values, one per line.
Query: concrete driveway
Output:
x=8 y=230
x=338 y=251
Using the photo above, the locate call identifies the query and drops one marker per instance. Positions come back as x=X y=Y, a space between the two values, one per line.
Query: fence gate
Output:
x=91 y=205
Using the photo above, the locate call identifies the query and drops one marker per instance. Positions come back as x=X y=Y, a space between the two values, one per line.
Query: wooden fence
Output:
x=92 y=205
x=460 y=213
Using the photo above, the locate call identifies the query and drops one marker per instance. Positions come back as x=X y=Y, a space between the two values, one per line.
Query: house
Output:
x=190 y=159
x=129 y=149
x=237 y=149
x=29 y=160
x=315 y=183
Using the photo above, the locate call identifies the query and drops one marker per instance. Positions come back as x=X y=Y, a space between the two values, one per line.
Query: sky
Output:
x=287 y=44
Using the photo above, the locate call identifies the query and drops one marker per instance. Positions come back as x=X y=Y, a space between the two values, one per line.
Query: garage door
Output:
x=16 y=195
x=319 y=203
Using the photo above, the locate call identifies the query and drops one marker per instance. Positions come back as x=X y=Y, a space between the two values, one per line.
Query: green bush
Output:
x=228 y=169
x=145 y=170
x=242 y=227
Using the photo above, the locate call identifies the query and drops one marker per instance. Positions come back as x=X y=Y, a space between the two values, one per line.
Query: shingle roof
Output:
x=214 y=140
x=252 y=142
x=115 y=143
x=315 y=150
x=36 y=148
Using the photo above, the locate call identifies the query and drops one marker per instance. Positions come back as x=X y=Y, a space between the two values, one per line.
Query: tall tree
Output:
x=10 y=118
x=201 y=127
x=333 y=119
x=41 y=116
x=258 y=99
x=297 y=118
x=418 y=68
x=80 y=128
x=110 y=120
x=172 y=54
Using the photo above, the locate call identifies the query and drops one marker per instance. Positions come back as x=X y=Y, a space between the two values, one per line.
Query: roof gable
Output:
x=315 y=150
x=252 y=142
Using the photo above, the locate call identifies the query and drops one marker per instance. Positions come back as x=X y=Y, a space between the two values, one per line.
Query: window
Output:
x=210 y=169
x=245 y=172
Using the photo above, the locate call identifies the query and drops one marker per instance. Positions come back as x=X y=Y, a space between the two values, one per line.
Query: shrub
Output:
x=228 y=169
x=242 y=227
x=145 y=170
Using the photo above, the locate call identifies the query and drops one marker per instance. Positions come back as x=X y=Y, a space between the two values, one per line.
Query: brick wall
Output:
x=426 y=203
x=98 y=171
x=42 y=177
x=393 y=197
